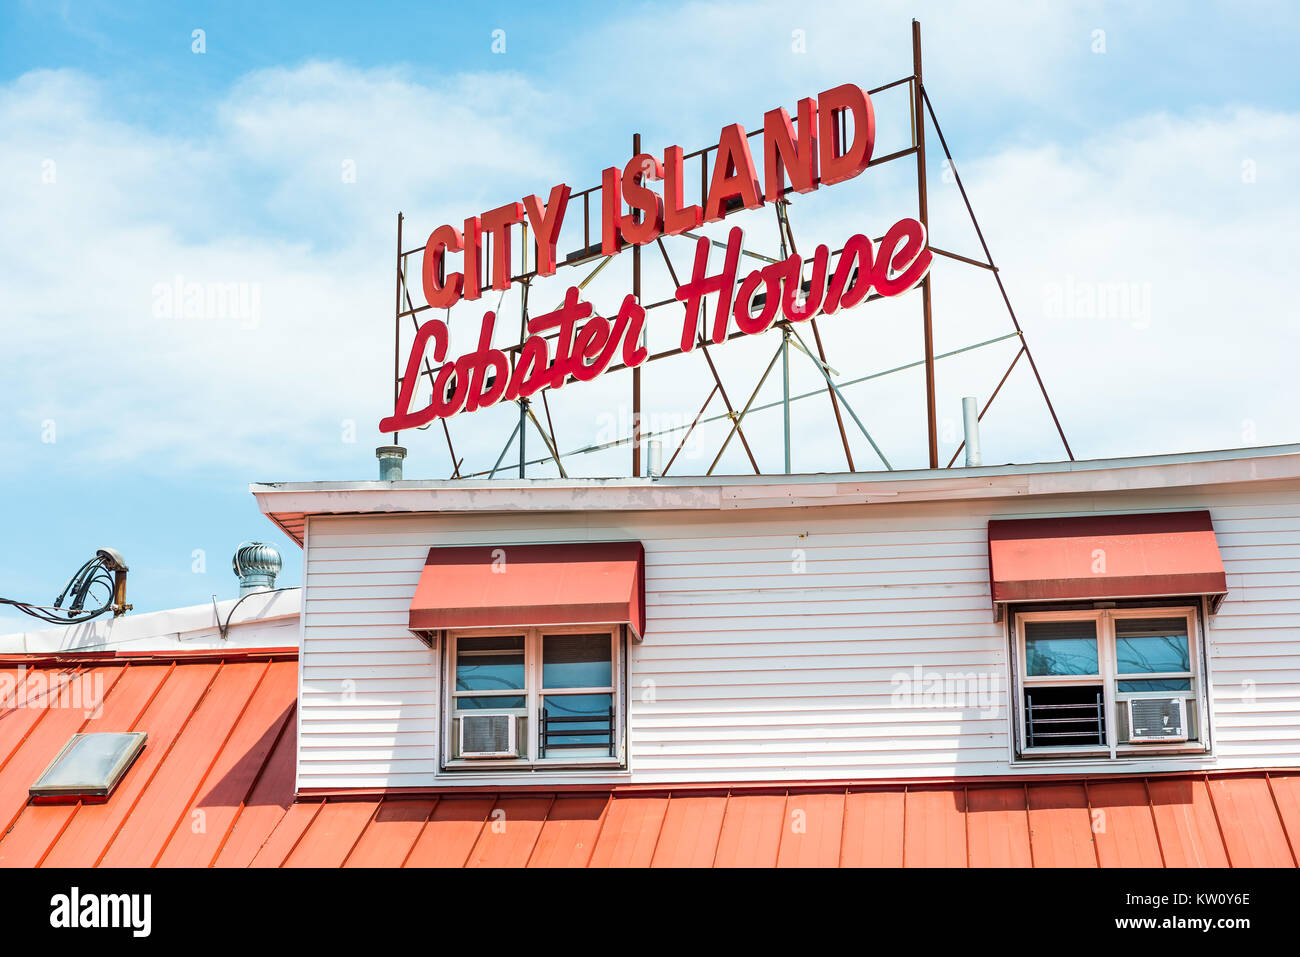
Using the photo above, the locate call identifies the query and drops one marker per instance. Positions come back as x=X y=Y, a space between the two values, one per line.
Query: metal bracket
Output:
x=224 y=630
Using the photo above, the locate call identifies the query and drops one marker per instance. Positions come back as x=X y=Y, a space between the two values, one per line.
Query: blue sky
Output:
x=1149 y=147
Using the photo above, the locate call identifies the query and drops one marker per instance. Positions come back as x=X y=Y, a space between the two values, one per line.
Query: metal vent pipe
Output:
x=970 y=414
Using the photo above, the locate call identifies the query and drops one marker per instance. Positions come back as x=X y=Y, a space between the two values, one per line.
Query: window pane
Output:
x=93 y=762
x=495 y=702
x=576 y=661
x=575 y=723
x=1060 y=648
x=492 y=643
x=1156 y=684
x=1065 y=717
x=1151 y=645
x=489 y=664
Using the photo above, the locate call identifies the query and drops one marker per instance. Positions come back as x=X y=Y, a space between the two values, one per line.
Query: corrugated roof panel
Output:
x=935 y=828
x=39 y=825
x=206 y=822
x=814 y=827
x=569 y=835
x=1247 y=815
x=332 y=834
x=630 y=832
x=269 y=801
x=60 y=712
x=1123 y=826
x=1286 y=793
x=11 y=676
x=30 y=691
x=94 y=826
x=34 y=833
x=222 y=741
x=689 y=835
x=293 y=825
x=389 y=837
x=160 y=808
x=511 y=831
x=873 y=829
x=753 y=827
x=1060 y=827
x=24 y=692
x=452 y=831
x=1186 y=823
x=997 y=827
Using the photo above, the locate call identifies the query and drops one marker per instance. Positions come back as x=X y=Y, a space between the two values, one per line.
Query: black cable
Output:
x=93 y=574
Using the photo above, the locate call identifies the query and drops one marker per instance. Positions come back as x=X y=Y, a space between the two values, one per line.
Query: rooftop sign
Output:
x=795 y=159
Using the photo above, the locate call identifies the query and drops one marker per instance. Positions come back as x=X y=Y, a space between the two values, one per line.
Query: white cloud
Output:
x=260 y=200
x=127 y=212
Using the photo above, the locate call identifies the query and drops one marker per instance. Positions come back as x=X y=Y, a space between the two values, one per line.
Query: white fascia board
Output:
x=782 y=491
x=259 y=622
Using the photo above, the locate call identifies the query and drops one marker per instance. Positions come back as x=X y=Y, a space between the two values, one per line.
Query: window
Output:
x=1108 y=682
x=89 y=767
x=539 y=697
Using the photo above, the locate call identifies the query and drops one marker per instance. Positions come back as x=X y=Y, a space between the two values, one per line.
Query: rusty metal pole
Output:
x=397 y=325
x=636 y=372
x=923 y=214
x=523 y=330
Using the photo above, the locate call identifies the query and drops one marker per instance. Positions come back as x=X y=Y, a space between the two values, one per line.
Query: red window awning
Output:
x=1105 y=556
x=495 y=586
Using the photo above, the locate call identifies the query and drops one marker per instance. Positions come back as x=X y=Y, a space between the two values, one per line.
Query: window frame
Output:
x=1105 y=615
x=533 y=693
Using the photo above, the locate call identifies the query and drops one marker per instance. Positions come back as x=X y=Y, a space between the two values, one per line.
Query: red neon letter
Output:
x=905 y=252
x=839 y=293
x=593 y=342
x=546 y=222
x=795 y=307
x=781 y=154
x=747 y=322
x=531 y=372
x=733 y=175
x=693 y=292
x=650 y=224
x=439 y=293
x=611 y=204
x=854 y=159
x=473 y=258
x=472 y=368
x=402 y=417
x=633 y=314
x=677 y=218
x=564 y=318
x=497 y=223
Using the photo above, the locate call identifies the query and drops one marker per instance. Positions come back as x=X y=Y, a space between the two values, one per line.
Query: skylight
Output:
x=89 y=766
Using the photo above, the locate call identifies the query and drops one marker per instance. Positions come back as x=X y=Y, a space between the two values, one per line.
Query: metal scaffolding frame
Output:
x=920 y=107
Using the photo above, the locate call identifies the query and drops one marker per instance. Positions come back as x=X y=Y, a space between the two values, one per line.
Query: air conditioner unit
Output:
x=488 y=736
x=1157 y=719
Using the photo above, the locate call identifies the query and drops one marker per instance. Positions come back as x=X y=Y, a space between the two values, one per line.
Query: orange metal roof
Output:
x=214 y=787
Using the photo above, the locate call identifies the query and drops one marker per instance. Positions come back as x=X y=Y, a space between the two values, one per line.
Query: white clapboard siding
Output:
x=783 y=644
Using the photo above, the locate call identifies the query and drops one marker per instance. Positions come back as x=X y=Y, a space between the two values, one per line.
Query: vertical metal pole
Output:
x=397 y=325
x=785 y=395
x=523 y=329
x=523 y=432
x=997 y=276
x=923 y=214
x=636 y=372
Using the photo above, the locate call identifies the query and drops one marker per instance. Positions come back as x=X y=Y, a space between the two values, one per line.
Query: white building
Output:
x=790 y=670
x=802 y=628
